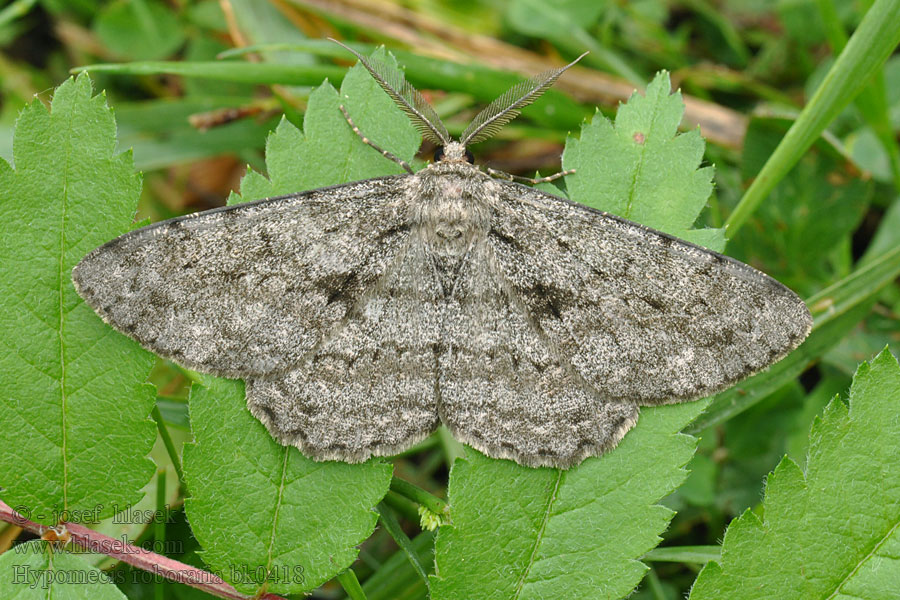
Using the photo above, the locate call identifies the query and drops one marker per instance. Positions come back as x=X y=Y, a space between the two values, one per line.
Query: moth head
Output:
x=453 y=152
x=487 y=123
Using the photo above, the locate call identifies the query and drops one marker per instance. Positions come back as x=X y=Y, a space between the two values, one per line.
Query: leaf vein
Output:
x=540 y=535
x=271 y=543
x=637 y=172
x=859 y=564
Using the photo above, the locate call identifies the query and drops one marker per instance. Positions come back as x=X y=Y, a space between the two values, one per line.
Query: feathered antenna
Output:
x=407 y=98
x=508 y=106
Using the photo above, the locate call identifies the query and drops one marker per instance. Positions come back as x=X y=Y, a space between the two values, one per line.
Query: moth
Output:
x=361 y=316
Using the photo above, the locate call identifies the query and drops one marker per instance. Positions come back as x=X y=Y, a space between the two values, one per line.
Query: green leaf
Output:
x=547 y=19
x=833 y=530
x=208 y=15
x=886 y=237
x=699 y=489
x=32 y=571
x=277 y=492
x=139 y=29
x=874 y=147
x=640 y=169
x=288 y=523
x=521 y=533
x=74 y=426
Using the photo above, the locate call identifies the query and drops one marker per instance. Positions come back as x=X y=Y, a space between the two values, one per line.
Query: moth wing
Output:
x=247 y=289
x=369 y=387
x=506 y=389
x=641 y=315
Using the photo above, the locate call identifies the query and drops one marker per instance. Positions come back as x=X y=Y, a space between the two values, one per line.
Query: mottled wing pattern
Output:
x=641 y=316
x=248 y=289
x=505 y=386
x=369 y=387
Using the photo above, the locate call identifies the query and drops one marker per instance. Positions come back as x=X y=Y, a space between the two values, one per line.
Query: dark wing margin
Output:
x=247 y=289
x=642 y=316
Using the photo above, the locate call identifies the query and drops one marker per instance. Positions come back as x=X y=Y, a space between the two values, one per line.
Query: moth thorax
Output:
x=451 y=224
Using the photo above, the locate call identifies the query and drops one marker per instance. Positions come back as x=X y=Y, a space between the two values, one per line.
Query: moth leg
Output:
x=369 y=142
x=531 y=180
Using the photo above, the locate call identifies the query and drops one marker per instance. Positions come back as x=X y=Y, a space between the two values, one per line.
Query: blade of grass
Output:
x=654 y=585
x=419 y=496
x=323 y=48
x=872 y=101
x=396 y=579
x=392 y=526
x=241 y=72
x=872 y=43
x=728 y=31
x=453 y=449
x=15 y=10
x=174 y=412
x=408 y=509
x=685 y=554
x=347 y=579
x=555 y=109
x=482 y=83
x=835 y=310
x=167 y=441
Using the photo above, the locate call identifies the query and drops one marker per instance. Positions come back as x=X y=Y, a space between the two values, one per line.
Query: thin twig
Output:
x=136 y=557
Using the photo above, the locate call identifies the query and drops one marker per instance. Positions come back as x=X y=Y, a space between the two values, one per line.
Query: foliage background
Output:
x=745 y=68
